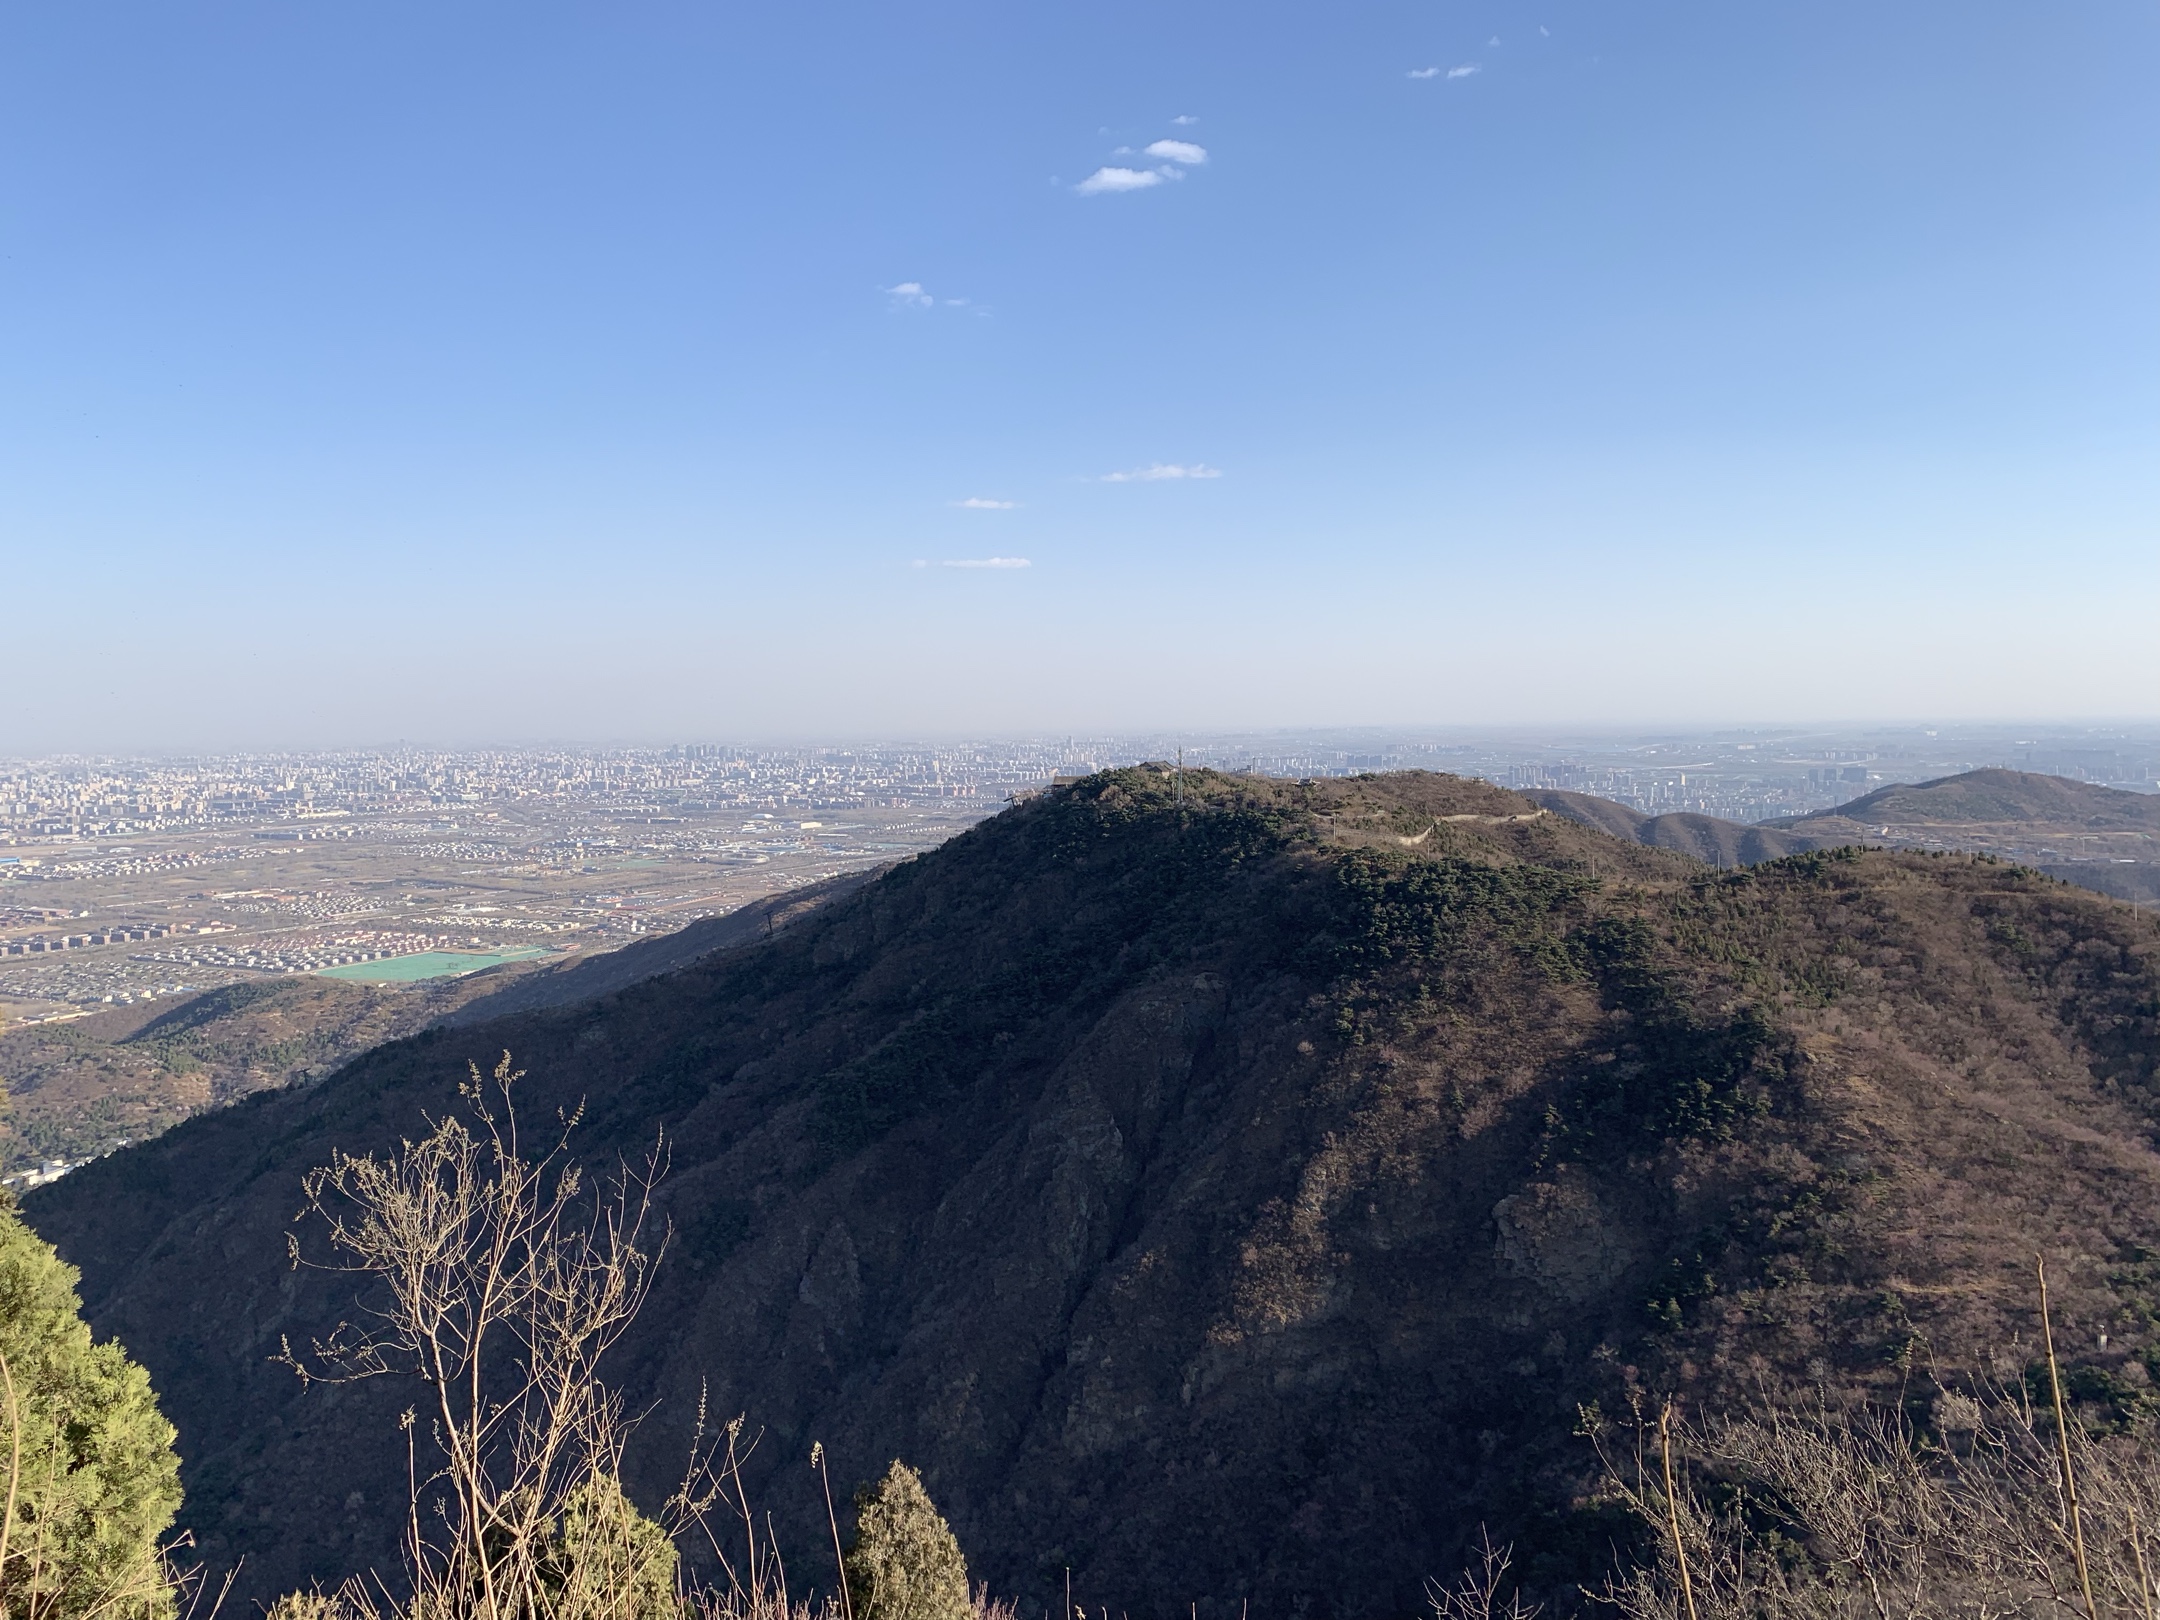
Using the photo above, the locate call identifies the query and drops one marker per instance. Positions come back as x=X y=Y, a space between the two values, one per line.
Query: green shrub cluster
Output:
x=1674 y=1071
x=1391 y=909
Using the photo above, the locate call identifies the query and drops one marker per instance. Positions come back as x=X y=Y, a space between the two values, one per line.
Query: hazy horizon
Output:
x=534 y=371
x=1982 y=734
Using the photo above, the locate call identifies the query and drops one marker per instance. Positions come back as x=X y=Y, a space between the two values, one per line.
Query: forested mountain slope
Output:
x=1229 y=1189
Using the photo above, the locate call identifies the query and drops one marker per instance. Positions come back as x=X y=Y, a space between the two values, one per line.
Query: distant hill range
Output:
x=1707 y=838
x=2102 y=838
x=1230 y=1191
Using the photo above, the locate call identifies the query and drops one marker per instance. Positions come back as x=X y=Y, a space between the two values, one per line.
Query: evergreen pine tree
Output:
x=95 y=1481
x=905 y=1564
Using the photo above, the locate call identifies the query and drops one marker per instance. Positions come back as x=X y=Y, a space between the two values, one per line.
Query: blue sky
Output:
x=492 y=371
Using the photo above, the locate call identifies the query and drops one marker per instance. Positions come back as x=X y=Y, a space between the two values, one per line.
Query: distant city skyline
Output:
x=126 y=879
x=536 y=371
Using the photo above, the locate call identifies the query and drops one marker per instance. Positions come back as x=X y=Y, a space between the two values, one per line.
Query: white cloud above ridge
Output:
x=1464 y=71
x=1111 y=178
x=1425 y=73
x=1177 y=152
x=983 y=503
x=1161 y=471
x=1184 y=118
x=984 y=562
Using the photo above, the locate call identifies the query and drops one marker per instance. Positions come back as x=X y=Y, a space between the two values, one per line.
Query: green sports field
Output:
x=430 y=965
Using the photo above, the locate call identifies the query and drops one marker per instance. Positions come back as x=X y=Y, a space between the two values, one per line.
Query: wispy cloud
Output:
x=975 y=562
x=983 y=503
x=1172 y=159
x=1425 y=73
x=1113 y=178
x=1160 y=471
x=1184 y=118
x=1464 y=71
x=913 y=295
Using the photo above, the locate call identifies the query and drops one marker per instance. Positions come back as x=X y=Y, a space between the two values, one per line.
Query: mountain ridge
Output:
x=2100 y=838
x=1229 y=1189
x=1710 y=839
x=1996 y=794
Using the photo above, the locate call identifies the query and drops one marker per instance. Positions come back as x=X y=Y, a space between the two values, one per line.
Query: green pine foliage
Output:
x=905 y=1564
x=96 y=1481
x=606 y=1558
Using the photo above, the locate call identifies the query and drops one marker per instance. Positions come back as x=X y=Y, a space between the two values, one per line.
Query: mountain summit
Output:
x=1230 y=1189
x=1996 y=797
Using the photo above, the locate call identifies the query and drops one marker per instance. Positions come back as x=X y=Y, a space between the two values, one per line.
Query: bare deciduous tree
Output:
x=503 y=1280
x=1477 y=1592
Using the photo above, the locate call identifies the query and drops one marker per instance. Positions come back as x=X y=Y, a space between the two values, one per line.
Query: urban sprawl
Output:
x=130 y=878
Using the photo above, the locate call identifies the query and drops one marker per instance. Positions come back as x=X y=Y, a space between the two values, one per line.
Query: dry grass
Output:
x=1831 y=1514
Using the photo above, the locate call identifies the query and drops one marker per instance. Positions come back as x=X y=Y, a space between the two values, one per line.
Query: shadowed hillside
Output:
x=1231 y=1190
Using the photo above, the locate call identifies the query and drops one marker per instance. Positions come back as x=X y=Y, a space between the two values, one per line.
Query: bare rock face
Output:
x=1232 y=1196
x=1555 y=1234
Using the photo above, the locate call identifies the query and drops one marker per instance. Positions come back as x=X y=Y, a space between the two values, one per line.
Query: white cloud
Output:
x=982 y=503
x=914 y=295
x=1110 y=178
x=1546 y=32
x=1178 y=152
x=1161 y=470
x=1184 y=118
x=1494 y=40
x=986 y=562
x=1425 y=73
x=1464 y=71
